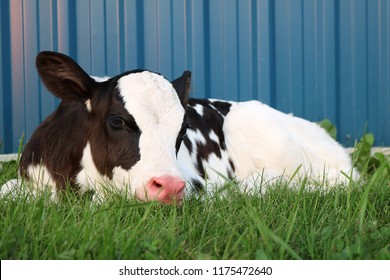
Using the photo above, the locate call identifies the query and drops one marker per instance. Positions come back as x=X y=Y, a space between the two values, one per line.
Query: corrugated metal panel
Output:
x=314 y=58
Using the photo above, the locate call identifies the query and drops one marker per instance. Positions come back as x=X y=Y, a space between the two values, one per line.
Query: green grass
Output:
x=344 y=223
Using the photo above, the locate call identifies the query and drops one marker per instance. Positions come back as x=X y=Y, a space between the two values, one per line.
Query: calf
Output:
x=143 y=136
x=121 y=132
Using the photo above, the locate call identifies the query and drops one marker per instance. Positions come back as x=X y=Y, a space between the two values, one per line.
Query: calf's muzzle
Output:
x=166 y=189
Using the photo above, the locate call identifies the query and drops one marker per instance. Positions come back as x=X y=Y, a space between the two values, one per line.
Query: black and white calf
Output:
x=143 y=136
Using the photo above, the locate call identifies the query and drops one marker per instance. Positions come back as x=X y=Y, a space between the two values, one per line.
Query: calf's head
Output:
x=124 y=131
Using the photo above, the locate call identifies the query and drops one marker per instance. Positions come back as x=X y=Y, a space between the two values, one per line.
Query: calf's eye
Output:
x=117 y=122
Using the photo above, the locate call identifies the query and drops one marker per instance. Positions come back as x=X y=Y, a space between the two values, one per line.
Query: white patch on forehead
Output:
x=144 y=79
x=151 y=99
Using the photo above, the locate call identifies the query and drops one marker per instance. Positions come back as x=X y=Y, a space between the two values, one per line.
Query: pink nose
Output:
x=166 y=189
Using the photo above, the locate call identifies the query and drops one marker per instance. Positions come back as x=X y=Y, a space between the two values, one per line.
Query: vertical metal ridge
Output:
x=54 y=16
x=188 y=34
x=7 y=122
x=206 y=46
x=337 y=64
x=72 y=28
x=254 y=48
x=17 y=62
x=303 y=39
x=122 y=36
x=105 y=32
x=140 y=34
x=272 y=20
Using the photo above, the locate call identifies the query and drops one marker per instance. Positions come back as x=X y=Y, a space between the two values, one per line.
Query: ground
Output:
x=346 y=222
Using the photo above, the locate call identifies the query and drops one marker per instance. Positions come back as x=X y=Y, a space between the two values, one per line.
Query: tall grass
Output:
x=346 y=222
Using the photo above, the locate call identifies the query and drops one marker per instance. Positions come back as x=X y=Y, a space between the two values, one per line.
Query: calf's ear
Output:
x=63 y=76
x=182 y=86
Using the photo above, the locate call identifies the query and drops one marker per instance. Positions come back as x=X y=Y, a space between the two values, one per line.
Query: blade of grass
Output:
x=266 y=233
x=363 y=206
x=293 y=216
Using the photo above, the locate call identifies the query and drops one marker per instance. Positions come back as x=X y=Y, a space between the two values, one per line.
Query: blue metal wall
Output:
x=314 y=58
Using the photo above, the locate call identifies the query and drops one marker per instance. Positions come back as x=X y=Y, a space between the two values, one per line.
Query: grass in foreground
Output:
x=345 y=223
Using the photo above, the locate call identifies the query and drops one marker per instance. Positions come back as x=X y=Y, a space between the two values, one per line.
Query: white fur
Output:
x=196 y=136
x=186 y=163
x=214 y=137
x=88 y=105
x=157 y=110
x=41 y=178
x=100 y=79
x=89 y=177
x=217 y=168
x=262 y=140
x=11 y=188
x=41 y=181
x=199 y=109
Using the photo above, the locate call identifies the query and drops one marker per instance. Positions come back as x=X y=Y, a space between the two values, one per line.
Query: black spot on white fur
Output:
x=210 y=120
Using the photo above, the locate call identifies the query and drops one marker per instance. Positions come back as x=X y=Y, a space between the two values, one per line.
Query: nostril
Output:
x=165 y=189
x=158 y=183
